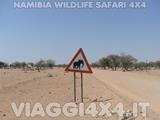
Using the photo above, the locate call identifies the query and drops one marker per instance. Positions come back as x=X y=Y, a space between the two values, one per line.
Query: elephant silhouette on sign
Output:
x=78 y=64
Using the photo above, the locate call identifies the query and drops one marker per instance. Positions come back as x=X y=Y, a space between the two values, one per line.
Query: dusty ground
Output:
x=57 y=86
x=134 y=86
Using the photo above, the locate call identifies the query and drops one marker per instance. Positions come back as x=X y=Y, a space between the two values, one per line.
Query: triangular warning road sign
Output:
x=79 y=63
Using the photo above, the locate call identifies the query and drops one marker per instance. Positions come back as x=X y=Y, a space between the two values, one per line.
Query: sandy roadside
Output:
x=135 y=86
x=18 y=86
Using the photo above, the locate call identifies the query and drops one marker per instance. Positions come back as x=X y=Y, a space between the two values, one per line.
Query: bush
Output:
x=40 y=64
x=140 y=66
x=127 y=62
x=3 y=64
x=50 y=63
x=17 y=65
x=114 y=61
x=104 y=62
x=157 y=64
x=95 y=65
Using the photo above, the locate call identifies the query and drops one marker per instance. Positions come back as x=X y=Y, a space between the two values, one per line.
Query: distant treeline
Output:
x=125 y=62
x=41 y=64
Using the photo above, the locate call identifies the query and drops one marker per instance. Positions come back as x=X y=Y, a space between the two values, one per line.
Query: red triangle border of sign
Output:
x=85 y=59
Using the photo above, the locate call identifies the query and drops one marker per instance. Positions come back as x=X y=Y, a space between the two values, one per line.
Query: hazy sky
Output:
x=32 y=34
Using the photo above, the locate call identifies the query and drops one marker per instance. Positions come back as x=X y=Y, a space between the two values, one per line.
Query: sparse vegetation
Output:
x=127 y=62
x=114 y=62
x=50 y=63
x=157 y=64
x=3 y=64
x=104 y=62
x=95 y=65
x=61 y=65
x=41 y=64
x=124 y=62
x=16 y=65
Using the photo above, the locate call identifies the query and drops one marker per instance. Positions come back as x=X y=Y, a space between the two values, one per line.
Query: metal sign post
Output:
x=74 y=86
x=81 y=87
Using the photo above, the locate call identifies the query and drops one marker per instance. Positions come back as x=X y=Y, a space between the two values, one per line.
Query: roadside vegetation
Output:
x=114 y=62
x=125 y=62
x=26 y=66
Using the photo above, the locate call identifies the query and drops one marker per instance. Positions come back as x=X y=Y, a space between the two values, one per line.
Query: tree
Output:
x=40 y=64
x=152 y=64
x=16 y=64
x=50 y=63
x=127 y=61
x=61 y=65
x=140 y=65
x=104 y=62
x=95 y=65
x=3 y=64
x=31 y=64
x=23 y=64
x=45 y=64
x=157 y=63
x=114 y=61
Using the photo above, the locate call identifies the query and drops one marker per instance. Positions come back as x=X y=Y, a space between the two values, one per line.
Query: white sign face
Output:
x=79 y=63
